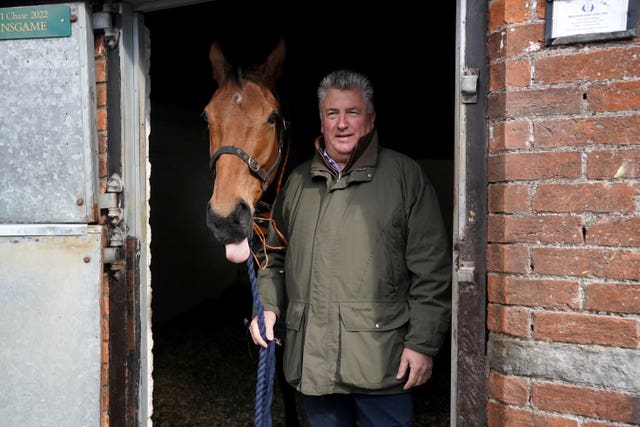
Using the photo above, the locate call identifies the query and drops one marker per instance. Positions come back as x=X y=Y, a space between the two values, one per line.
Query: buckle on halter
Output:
x=253 y=164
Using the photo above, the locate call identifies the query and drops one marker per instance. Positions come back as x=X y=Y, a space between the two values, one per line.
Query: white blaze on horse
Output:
x=245 y=145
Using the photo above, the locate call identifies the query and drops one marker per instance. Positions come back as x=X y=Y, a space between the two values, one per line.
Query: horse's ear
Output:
x=218 y=62
x=273 y=64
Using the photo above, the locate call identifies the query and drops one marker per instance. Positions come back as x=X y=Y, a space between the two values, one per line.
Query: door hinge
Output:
x=111 y=201
x=103 y=20
x=469 y=86
x=465 y=272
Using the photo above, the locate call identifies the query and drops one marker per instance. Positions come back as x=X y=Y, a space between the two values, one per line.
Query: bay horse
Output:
x=247 y=153
x=245 y=145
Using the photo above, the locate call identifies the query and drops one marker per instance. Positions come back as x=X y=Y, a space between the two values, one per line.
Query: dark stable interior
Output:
x=411 y=66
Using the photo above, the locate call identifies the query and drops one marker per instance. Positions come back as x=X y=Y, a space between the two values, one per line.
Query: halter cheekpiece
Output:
x=252 y=162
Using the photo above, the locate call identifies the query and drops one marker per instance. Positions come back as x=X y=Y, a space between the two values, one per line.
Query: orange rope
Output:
x=262 y=230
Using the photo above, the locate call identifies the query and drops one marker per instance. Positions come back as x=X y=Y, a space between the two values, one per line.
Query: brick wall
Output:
x=563 y=226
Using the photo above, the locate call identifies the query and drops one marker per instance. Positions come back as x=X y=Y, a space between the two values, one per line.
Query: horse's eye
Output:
x=204 y=117
x=273 y=117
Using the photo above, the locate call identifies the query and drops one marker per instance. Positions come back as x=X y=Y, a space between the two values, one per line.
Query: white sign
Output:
x=574 y=17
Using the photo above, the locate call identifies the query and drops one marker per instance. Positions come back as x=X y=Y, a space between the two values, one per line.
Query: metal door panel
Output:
x=50 y=351
x=48 y=146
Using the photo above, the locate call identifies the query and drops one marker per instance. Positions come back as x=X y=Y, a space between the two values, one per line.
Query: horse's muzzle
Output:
x=234 y=227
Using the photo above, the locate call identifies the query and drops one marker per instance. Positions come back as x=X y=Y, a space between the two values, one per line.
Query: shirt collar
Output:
x=329 y=160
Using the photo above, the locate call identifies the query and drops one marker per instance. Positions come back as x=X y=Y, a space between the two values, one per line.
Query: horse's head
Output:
x=245 y=126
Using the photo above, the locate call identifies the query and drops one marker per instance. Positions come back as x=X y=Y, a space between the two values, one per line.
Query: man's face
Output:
x=344 y=120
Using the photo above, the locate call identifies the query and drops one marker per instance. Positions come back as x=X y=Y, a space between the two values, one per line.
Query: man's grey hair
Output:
x=346 y=80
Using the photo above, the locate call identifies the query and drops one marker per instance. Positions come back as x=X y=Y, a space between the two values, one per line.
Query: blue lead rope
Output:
x=266 y=362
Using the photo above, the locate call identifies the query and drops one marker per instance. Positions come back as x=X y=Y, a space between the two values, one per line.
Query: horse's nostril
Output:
x=244 y=206
x=242 y=213
x=232 y=227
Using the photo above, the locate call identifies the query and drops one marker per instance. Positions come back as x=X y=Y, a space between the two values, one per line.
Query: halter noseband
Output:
x=252 y=163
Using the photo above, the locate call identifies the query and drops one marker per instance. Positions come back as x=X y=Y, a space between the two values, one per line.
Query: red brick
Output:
x=590 y=65
x=548 y=293
x=592 y=131
x=509 y=135
x=586 y=328
x=613 y=297
x=508 y=389
x=503 y=12
x=518 y=73
x=541 y=9
x=619 y=96
x=614 y=231
x=104 y=354
x=101 y=116
x=104 y=323
x=497 y=76
x=101 y=95
x=509 y=416
x=101 y=70
x=514 y=321
x=586 y=401
x=103 y=167
x=495 y=288
x=104 y=395
x=508 y=258
x=102 y=143
x=599 y=197
x=527 y=166
x=534 y=102
x=609 y=263
x=496 y=14
x=535 y=229
x=516 y=40
x=613 y=164
x=598 y=423
x=509 y=74
x=508 y=198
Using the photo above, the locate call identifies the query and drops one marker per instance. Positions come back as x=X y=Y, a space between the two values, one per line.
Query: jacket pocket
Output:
x=294 y=342
x=371 y=342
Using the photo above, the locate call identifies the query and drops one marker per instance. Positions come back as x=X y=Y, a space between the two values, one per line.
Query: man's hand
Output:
x=269 y=321
x=419 y=365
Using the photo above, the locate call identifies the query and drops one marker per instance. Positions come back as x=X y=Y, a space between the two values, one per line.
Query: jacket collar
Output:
x=365 y=154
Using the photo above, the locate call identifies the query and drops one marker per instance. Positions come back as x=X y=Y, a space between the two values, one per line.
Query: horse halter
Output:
x=252 y=162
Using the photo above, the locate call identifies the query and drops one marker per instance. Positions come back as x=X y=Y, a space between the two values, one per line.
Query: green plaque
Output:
x=35 y=22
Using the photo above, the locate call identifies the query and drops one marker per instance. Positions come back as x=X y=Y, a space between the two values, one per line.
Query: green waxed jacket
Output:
x=364 y=261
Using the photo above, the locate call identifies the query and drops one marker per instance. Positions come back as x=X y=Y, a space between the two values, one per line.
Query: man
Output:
x=358 y=248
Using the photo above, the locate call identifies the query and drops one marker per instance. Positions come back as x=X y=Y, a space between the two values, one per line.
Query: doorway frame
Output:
x=469 y=363
x=468 y=338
